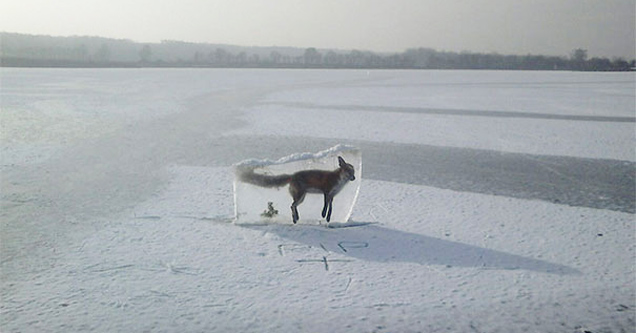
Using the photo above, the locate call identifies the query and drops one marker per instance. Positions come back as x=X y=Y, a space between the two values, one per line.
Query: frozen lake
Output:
x=116 y=179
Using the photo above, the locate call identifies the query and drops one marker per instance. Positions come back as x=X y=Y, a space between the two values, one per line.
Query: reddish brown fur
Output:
x=329 y=183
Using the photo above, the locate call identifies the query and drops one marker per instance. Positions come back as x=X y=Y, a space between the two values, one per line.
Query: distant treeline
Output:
x=21 y=50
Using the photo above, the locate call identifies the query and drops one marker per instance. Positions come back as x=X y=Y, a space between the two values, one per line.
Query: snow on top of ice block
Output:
x=255 y=163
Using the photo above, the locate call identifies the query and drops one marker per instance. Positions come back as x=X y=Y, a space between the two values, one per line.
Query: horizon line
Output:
x=306 y=47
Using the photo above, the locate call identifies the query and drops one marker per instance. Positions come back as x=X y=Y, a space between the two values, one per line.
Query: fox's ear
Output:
x=341 y=161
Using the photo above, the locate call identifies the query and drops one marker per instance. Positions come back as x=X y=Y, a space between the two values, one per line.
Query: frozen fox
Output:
x=329 y=183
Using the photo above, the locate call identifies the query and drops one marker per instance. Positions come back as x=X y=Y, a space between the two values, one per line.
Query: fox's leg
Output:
x=297 y=201
x=330 y=206
x=324 y=208
x=298 y=196
x=295 y=216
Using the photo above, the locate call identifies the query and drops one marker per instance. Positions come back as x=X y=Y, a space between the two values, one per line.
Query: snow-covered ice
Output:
x=490 y=202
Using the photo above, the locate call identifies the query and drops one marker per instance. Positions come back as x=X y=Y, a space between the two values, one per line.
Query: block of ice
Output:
x=272 y=204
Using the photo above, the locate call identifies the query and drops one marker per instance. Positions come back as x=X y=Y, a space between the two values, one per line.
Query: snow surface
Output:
x=490 y=202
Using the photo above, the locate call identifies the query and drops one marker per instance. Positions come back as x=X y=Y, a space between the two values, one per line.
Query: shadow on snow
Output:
x=376 y=243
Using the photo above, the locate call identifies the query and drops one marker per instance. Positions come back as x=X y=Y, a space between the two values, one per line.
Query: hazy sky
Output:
x=552 y=27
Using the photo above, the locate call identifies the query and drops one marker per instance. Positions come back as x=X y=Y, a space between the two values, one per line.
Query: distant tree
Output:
x=312 y=56
x=221 y=56
x=620 y=64
x=254 y=59
x=332 y=59
x=579 y=59
x=145 y=53
x=103 y=53
x=275 y=57
x=395 y=61
x=199 y=57
x=241 y=58
x=355 y=58
x=599 y=64
x=579 y=55
x=419 y=58
x=81 y=52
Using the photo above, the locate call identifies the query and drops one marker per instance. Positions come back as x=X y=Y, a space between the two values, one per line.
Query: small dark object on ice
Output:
x=270 y=212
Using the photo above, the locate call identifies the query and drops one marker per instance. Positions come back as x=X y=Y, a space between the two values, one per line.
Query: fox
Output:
x=329 y=183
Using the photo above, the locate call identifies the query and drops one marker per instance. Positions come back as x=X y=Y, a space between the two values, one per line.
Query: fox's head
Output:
x=346 y=169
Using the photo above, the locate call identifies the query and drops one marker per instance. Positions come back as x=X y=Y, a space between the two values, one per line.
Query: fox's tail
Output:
x=249 y=176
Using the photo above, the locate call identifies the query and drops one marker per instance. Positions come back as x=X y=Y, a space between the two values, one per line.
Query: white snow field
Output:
x=491 y=201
